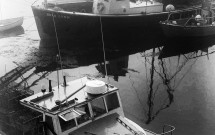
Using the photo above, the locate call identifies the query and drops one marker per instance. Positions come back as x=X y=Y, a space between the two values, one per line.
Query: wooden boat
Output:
x=84 y=106
x=201 y=25
x=83 y=20
x=10 y=23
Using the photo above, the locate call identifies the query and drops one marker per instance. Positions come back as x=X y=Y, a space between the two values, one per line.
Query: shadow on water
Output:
x=12 y=32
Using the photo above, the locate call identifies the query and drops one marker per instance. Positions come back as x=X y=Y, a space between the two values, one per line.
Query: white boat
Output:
x=7 y=24
x=84 y=106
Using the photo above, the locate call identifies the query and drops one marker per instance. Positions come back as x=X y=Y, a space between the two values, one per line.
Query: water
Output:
x=176 y=90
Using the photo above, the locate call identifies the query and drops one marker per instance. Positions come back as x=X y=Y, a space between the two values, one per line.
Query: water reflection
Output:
x=164 y=77
x=148 y=74
x=73 y=56
x=181 y=46
x=117 y=67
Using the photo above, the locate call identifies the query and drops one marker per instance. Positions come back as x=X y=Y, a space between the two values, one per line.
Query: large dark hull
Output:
x=84 y=28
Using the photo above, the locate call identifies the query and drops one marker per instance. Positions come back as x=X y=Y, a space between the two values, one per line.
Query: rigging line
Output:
x=57 y=42
x=34 y=2
x=103 y=47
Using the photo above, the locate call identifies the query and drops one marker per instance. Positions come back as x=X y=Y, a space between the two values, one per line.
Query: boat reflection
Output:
x=73 y=56
x=163 y=77
x=159 y=73
x=181 y=46
x=115 y=68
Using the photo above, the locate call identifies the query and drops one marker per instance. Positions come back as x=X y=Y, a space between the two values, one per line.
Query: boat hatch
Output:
x=71 y=114
x=97 y=107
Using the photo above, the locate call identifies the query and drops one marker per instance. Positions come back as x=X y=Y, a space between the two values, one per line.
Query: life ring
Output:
x=100 y=7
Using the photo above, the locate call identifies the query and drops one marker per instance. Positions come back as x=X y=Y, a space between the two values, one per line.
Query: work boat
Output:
x=84 y=106
x=84 y=21
x=201 y=25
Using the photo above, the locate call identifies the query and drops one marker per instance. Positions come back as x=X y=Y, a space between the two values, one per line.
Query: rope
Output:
x=34 y=2
x=57 y=42
x=103 y=47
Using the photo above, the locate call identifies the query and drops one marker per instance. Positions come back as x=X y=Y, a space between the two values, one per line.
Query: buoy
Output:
x=170 y=7
x=95 y=87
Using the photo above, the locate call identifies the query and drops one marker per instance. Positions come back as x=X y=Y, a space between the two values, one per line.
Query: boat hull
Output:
x=84 y=28
x=10 y=23
x=188 y=31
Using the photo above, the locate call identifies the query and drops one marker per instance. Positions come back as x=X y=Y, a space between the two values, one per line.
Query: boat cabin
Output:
x=107 y=6
x=70 y=106
x=126 y=7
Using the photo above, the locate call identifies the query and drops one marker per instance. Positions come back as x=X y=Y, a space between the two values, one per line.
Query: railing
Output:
x=172 y=14
x=181 y=14
x=203 y=20
x=164 y=132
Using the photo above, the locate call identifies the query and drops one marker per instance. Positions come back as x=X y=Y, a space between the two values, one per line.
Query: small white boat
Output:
x=10 y=23
x=84 y=106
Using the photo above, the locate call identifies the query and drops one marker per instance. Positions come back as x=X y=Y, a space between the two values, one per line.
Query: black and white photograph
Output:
x=107 y=67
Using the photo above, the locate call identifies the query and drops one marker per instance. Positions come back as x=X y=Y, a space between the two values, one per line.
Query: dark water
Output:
x=161 y=81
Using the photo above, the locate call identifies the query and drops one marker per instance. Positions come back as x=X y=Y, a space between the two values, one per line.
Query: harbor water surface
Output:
x=174 y=86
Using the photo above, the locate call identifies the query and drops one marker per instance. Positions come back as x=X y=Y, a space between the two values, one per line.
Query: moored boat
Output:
x=84 y=106
x=7 y=24
x=85 y=21
x=201 y=25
